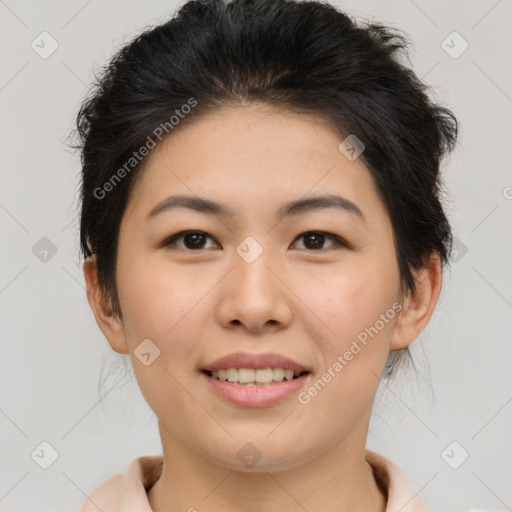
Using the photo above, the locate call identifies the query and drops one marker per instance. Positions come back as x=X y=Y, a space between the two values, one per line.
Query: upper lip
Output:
x=256 y=361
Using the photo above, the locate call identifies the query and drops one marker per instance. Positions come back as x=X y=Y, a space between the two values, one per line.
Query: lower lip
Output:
x=256 y=396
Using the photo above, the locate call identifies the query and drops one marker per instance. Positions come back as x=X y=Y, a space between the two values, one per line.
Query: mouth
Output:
x=255 y=380
x=241 y=386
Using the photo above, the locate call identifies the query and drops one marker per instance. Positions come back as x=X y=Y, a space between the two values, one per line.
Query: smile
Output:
x=255 y=394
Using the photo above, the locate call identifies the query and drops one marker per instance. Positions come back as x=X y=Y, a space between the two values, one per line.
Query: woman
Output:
x=263 y=234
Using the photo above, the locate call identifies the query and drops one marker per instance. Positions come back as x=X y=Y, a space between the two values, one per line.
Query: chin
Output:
x=258 y=454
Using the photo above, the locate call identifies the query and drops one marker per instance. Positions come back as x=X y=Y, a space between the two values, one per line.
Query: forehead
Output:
x=249 y=157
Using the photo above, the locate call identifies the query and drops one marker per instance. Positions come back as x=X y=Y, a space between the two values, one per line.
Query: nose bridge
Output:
x=253 y=261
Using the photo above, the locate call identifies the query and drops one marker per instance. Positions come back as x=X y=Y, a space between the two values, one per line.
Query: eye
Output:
x=192 y=240
x=316 y=239
x=195 y=240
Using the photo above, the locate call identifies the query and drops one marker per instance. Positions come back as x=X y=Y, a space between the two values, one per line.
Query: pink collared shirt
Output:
x=127 y=492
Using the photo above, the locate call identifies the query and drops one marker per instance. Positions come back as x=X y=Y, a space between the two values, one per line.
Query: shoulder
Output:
x=401 y=493
x=128 y=488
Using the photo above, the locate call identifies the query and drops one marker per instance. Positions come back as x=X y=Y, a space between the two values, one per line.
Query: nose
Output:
x=254 y=296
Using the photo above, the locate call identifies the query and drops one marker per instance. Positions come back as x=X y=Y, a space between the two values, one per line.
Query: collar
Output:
x=127 y=492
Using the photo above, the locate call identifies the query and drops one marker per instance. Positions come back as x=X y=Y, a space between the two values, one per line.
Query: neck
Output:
x=339 y=480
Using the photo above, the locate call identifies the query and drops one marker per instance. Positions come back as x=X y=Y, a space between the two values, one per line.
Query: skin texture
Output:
x=303 y=302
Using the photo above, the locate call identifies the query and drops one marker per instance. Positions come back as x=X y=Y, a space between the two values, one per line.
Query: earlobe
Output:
x=110 y=325
x=419 y=306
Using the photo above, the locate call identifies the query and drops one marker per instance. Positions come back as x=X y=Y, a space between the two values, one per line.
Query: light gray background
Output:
x=52 y=350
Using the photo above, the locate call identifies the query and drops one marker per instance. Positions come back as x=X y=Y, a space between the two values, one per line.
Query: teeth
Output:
x=248 y=376
x=232 y=375
x=278 y=374
x=288 y=374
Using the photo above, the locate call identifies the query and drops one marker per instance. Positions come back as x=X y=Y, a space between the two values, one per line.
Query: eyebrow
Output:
x=291 y=208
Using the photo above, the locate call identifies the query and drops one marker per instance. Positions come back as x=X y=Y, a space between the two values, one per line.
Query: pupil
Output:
x=197 y=240
x=317 y=238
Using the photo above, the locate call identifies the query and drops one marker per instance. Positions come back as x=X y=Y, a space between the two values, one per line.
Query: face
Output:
x=318 y=285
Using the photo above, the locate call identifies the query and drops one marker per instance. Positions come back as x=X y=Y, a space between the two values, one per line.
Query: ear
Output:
x=418 y=306
x=111 y=325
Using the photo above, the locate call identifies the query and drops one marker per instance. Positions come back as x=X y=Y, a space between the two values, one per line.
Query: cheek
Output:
x=169 y=305
x=351 y=298
x=142 y=304
x=155 y=301
x=161 y=306
x=361 y=315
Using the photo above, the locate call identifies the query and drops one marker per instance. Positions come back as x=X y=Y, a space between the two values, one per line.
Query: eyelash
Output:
x=339 y=242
